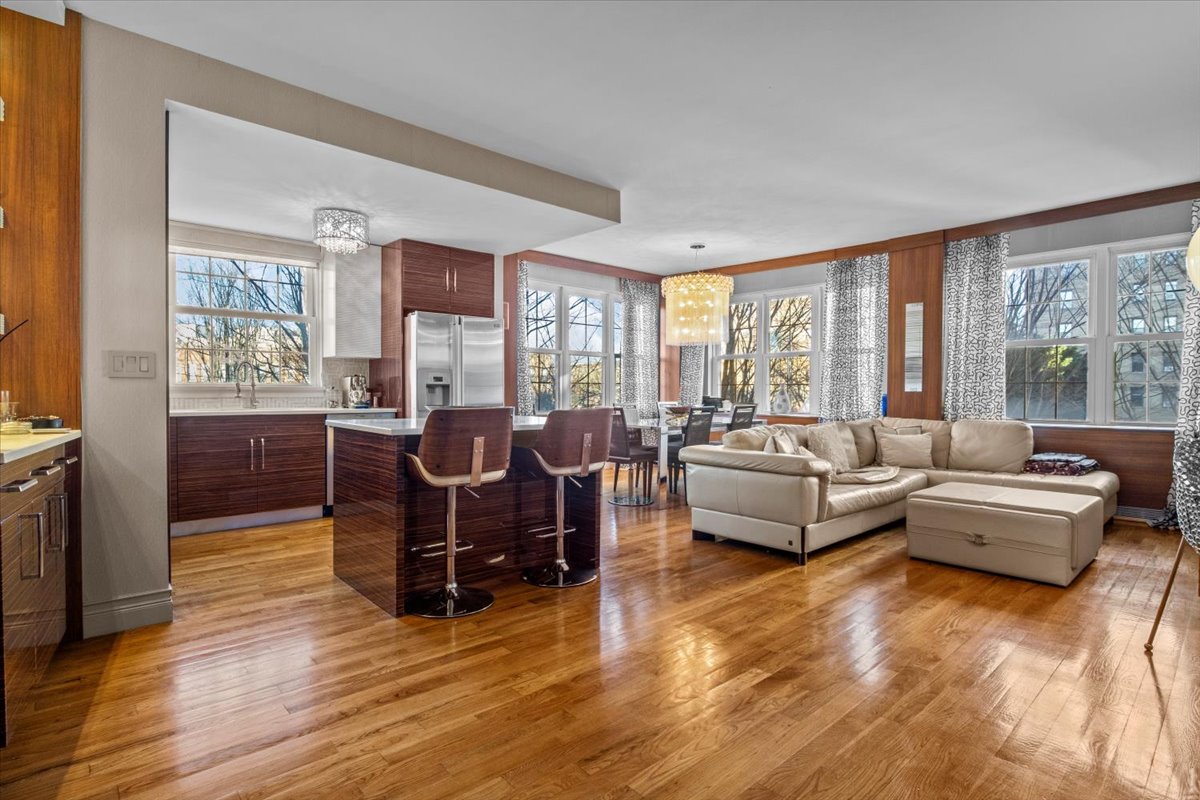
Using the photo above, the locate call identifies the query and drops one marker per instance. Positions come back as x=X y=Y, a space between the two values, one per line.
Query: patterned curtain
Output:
x=639 y=346
x=855 y=337
x=691 y=374
x=525 y=404
x=1187 y=426
x=973 y=309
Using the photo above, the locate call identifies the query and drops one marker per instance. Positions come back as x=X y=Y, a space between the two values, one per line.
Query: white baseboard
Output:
x=214 y=524
x=124 y=613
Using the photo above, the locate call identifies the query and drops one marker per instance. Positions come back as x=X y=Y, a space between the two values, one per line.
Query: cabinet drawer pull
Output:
x=19 y=486
x=262 y=452
x=66 y=461
x=61 y=521
x=49 y=470
x=252 y=454
x=40 y=518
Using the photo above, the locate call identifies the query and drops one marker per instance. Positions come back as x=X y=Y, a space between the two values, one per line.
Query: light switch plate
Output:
x=129 y=364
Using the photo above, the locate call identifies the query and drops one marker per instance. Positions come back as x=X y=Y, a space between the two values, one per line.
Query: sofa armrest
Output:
x=715 y=455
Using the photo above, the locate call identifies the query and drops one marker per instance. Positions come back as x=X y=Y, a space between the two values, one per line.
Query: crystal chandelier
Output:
x=697 y=306
x=340 y=230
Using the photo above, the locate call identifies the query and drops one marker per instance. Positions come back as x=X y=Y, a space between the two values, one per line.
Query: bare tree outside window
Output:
x=768 y=361
x=1151 y=288
x=232 y=310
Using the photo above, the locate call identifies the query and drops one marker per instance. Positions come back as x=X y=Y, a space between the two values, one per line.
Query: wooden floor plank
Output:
x=690 y=670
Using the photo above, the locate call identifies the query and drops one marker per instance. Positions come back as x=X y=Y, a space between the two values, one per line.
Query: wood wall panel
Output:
x=387 y=371
x=915 y=276
x=39 y=190
x=1140 y=458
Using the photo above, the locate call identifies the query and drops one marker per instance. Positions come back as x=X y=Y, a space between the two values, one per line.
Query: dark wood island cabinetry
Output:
x=388 y=525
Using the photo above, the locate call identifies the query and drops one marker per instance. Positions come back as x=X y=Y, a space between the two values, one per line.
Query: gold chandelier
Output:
x=697 y=306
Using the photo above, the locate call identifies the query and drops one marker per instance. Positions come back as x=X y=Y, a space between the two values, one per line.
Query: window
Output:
x=618 y=322
x=1150 y=287
x=231 y=310
x=586 y=339
x=1046 y=315
x=769 y=355
x=1096 y=336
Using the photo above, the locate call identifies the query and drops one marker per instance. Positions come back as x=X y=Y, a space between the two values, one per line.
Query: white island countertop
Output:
x=233 y=412
x=14 y=446
x=409 y=426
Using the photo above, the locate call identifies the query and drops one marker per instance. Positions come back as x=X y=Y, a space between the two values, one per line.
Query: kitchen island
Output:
x=389 y=527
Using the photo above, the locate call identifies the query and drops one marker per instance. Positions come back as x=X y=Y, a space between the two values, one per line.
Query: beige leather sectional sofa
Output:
x=795 y=503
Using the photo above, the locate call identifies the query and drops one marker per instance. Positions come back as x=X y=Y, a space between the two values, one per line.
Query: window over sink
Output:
x=229 y=311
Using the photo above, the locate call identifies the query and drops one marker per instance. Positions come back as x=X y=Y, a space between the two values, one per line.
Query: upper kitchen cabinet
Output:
x=351 y=285
x=447 y=280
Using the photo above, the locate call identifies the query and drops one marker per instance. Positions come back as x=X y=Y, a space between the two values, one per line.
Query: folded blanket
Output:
x=866 y=475
x=1064 y=457
x=1082 y=467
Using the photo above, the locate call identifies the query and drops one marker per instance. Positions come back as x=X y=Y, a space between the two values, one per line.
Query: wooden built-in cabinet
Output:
x=35 y=541
x=446 y=280
x=223 y=466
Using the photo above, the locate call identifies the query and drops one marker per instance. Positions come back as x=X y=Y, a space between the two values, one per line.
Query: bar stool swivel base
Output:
x=559 y=576
x=447 y=602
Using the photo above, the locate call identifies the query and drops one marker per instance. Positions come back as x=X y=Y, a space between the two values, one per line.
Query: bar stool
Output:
x=465 y=447
x=572 y=443
x=639 y=458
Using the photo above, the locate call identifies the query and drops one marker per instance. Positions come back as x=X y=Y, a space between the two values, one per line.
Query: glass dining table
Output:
x=672 y=426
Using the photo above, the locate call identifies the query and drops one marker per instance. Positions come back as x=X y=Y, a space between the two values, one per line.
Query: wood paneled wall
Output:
x=1141 y=458
x=39 y=190
x=915 y=276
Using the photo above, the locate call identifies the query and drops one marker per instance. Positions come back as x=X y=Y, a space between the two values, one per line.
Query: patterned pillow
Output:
x=825 y=442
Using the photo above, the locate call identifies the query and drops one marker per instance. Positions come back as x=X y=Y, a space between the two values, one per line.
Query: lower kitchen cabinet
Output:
x=34 y=544
x=226 y=465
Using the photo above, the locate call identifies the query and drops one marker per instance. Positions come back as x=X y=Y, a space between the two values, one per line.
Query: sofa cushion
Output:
x=755 y=438
x=939 y=429
x=914 y=452
x=863 y=433
x=850 y=498
x=990 y=445
x=832 y=443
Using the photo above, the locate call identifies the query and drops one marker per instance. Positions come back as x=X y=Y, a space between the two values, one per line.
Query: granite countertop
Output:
x=409 y=426
x=15 y=446
x=230 y=412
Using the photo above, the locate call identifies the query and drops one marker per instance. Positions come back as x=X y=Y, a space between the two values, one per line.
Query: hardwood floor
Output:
x=691 y=670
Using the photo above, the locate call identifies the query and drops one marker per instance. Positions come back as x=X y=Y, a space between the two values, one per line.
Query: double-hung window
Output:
x=769 y=357
x=1147 y=344
x=1049 y=340
x=1096 y=335
x=574 y=343
x=233 y=315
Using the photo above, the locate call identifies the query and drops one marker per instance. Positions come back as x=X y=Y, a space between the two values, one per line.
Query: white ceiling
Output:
x=234 y=174
x=763 y=129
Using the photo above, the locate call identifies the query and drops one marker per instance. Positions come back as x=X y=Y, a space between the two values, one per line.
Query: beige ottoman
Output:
x=1026 y=533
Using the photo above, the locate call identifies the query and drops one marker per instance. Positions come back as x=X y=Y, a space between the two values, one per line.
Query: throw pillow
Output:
x=882 y=431
x=746 y=439
x=914 y=451
x=825 y=442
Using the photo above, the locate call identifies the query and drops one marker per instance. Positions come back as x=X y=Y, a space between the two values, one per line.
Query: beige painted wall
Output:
x=127 y=80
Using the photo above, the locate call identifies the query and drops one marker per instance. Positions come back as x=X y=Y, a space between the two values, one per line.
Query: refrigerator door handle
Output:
x=456 y=359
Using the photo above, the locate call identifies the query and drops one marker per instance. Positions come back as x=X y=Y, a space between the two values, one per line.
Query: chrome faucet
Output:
x=237 y=382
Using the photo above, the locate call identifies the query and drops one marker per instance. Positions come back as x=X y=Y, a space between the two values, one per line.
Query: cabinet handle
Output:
x=252 y=454
x=447 y=279
x=456 y=279
x=50 y=470
x=41 y=529
x=262 y=452
x=19 y=486
x=66 y=460
x=62 y=523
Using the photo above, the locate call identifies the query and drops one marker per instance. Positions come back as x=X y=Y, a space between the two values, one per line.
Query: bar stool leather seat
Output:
x=460 y=447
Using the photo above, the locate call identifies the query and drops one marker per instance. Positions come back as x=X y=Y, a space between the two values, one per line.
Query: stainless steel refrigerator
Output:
x=450 y=360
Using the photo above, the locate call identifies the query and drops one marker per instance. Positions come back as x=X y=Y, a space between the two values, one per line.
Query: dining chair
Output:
x=624 y=451
x=697 y=431
x=743 y=417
